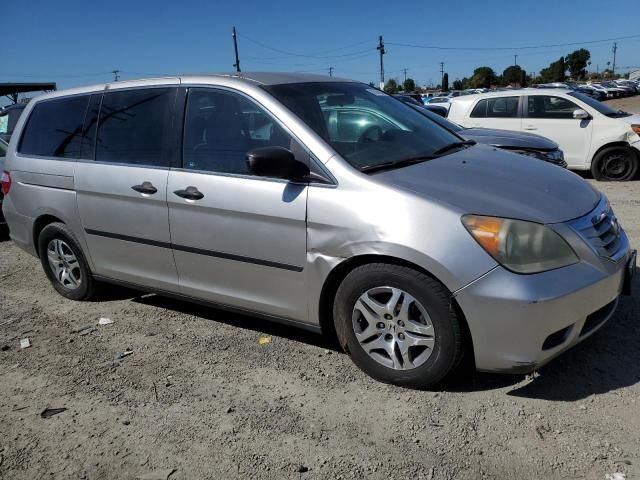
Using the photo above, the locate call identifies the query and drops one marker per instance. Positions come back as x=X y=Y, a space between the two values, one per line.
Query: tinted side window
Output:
x=221 y=127
x=54 y=128
x=133 y=127
x=545 y=106
x=480 y=110
x=502 y=107
x=90 y=127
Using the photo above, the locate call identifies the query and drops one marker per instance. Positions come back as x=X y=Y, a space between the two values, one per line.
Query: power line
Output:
x=302 y=55
x=528 y=47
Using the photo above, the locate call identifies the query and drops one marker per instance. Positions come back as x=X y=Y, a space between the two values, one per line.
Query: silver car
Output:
x=254 y=192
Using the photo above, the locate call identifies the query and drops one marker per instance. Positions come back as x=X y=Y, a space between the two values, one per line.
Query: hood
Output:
x=633 y=119
x=508 y=139
x=486 y=181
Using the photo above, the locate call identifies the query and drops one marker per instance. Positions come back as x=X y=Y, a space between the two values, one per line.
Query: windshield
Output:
x=599 y=106
x=443 y=122
x=365 y=126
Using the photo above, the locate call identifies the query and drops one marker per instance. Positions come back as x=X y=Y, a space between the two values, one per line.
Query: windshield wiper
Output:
x=453 y=145
x=403 y=162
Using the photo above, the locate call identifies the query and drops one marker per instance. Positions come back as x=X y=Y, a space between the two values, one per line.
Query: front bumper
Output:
x=520 y=322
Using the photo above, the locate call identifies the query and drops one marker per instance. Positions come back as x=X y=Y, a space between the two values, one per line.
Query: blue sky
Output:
x=79 y=42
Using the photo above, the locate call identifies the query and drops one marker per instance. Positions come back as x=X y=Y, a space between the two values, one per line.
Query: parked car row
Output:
x=517 y=142
x=599 y=90
x=326 y=204
x=592 y=135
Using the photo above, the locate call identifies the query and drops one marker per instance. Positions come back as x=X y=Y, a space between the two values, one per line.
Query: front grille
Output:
x=602 y=231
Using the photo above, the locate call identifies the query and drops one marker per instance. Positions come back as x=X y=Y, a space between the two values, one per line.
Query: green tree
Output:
x=576 y=63
x=555 y=72
x=445 y=82
x=512 y=75
x=483 y=77
x=409 y=85
x=391 y=86
x=458 y=85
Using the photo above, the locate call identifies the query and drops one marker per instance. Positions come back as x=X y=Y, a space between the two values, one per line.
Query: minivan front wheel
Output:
x=64 y=263
x=615 y=164
x=397 y=325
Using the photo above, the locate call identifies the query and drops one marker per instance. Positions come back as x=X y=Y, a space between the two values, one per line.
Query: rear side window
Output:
x=480 y=110
x=54 y=128
x=502 y=107
x=133 y=127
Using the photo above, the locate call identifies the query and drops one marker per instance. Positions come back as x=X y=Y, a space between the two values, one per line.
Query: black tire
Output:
x=447 y=350
x=615 y=164
x=59 y=231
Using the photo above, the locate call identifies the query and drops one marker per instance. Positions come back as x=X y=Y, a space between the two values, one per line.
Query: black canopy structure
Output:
x=11 y=90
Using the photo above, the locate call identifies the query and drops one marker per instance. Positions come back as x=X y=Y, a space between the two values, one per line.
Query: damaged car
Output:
x=264 y=193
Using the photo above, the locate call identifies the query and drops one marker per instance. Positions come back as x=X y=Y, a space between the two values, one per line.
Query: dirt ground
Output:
x=200 y=397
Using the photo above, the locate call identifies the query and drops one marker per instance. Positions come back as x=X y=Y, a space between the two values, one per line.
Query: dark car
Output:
x=517 y=142
x=593 y=93
x=8 y=119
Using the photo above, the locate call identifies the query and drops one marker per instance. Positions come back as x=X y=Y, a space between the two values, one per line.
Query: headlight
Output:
x=522 y=247
x=636 y=128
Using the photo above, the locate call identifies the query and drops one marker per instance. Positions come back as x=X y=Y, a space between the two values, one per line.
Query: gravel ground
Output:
x=202 y=398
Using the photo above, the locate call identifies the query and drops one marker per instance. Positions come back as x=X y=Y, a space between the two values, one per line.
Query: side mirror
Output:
x=277 y=162
x=580 y=114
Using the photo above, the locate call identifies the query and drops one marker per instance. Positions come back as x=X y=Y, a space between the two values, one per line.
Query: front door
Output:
x=238 y=240
x=552 y=117
x=122 y=194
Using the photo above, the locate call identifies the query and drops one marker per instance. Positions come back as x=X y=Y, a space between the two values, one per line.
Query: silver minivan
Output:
x=261 y=193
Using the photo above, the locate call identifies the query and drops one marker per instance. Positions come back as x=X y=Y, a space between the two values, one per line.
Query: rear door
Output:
x=238 y=240
x=122 y=192
x=552 y=116
x=496 y=112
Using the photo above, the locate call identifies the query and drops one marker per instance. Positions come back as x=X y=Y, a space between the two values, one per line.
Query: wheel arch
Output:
x=339 y=273
x=40 y=223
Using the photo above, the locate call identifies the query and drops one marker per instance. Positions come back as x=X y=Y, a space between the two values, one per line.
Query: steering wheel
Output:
x=365 y=137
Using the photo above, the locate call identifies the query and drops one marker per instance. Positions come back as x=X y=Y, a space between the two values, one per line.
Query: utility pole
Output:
x=116 y=75
x=615 y=49
x=235 y=48
x=405 y=74
x=382 y=51
x=515 y=60
x=331 y=71
x=441 y=74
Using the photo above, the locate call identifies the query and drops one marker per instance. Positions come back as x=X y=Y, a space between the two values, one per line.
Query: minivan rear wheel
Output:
x=64 y=263
x=397 y=325
x=615 y=164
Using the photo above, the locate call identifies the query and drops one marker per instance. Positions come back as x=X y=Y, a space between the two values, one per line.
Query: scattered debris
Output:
x=157 y=475
x=88 y=331
x=17 y=409
x=25 y=343
x=302 y=469
x=50 y=412
x=5 y=348
x=105 y=321
x=126 y=422
x=231 y=410
x=264 y=339
x=615 y=476
x=121 y=355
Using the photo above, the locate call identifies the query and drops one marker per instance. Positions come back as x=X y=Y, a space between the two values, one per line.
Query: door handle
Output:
x=190 y=193
x=146 y=188
x=530 y=127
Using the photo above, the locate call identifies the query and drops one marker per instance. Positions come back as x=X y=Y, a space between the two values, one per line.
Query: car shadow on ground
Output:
x=607 y=361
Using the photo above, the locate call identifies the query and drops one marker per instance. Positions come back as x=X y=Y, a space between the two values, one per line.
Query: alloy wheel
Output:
x=393 y=328
x=64 y=264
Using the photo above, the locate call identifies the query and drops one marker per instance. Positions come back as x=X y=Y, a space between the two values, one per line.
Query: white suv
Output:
x=592 y=134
